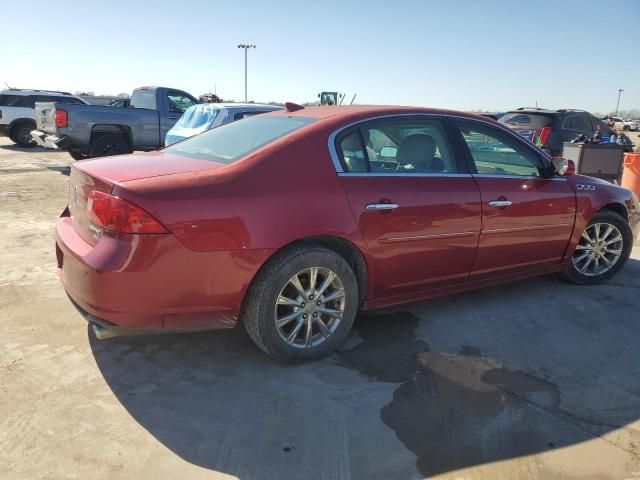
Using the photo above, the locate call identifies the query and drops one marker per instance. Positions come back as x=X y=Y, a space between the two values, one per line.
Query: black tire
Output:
x=109 y=144
x=574 y=275
x=21 y=134
x=259 y=310
x=626 y=128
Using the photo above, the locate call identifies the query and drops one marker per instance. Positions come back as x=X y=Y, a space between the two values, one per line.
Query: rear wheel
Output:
x=302 y=304
x=21 y=134
x=603 y=249
x=109 y=144
x=626 y=128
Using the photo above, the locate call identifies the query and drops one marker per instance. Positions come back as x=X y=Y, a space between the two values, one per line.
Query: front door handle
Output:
x=377 y=207
x=499 y=203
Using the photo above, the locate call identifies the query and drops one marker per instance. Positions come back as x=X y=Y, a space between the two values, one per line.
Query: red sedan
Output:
x=291 y=222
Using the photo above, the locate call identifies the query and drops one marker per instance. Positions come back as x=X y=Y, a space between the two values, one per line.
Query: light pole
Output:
x=618 y=104
x=245 y=47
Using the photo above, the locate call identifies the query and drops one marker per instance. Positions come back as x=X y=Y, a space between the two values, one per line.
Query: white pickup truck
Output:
x=625 y=124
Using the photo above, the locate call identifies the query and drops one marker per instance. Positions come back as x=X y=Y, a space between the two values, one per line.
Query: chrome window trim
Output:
x=331 y=143
x=415 y=175
x=518 y=177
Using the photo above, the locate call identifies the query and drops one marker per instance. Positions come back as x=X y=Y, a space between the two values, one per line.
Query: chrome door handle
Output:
x=499 y=203
x=376 y=207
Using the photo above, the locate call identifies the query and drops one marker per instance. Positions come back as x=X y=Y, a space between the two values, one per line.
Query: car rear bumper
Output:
x=48 y=140
x=152 y=283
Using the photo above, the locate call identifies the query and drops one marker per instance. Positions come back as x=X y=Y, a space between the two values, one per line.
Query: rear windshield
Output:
x=144 y=99
x=198 y=116
x=526 y=119
x=232 y=141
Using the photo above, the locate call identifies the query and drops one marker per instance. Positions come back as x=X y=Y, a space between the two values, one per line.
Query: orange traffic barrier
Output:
x=631 y=174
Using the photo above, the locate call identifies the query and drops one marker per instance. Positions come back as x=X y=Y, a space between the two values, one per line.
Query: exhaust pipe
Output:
x=102 y=333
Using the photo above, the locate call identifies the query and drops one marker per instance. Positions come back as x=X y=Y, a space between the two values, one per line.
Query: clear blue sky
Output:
x=464 y=54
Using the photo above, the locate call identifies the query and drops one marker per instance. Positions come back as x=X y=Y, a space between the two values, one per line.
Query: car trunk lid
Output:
x=103 y=173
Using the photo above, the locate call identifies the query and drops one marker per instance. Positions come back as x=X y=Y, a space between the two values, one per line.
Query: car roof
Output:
x=339 y=113
x=28 y=91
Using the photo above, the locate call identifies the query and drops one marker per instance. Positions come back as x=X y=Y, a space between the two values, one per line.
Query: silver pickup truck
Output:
x=95 y=131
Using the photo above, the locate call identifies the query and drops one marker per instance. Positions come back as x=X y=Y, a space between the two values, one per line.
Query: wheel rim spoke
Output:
x=615 y=240
x=294 y=333
x=291 y=302
x=607 y=262
x=586 y=237
x=582 y=257
x=322 y=327
x=295 y=281
x=309 y=333
x=586 y=264
x=596 y=229
x=337 y=293
x=281 y=322
x=313 y=278
x=331 y=312
x=327 y=281
x=607 y=232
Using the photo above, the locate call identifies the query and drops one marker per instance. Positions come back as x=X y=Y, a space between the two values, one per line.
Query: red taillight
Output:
x=61 y=118
x=544 y=135
x=118 y=215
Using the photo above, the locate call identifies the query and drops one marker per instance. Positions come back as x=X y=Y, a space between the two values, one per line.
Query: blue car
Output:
x=205 y=116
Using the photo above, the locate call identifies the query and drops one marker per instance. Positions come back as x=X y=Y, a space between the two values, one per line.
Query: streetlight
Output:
x=618 y=104
x=245 y=47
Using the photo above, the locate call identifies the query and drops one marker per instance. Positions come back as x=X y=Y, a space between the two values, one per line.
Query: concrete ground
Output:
x=537 y=379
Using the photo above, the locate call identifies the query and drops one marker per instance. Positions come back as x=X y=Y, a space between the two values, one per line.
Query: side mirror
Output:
x=563 y=166
x=389 y=152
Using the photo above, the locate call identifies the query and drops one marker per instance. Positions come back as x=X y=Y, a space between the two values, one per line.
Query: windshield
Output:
x=198 y=116
x=230 y=142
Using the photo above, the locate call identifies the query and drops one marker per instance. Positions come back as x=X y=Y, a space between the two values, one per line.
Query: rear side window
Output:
x=577 y=122
x=232 y=141
x=24 y=101
x=394 y=146
x=178 y=102
x=526 y=120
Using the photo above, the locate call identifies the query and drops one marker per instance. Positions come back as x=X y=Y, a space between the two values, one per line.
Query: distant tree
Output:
x=123 y=95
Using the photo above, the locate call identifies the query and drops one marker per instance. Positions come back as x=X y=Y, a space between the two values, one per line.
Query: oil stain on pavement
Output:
x=457 y=410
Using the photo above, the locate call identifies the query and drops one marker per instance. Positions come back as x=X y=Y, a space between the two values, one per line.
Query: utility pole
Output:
x=618 y=104
x=245 y=47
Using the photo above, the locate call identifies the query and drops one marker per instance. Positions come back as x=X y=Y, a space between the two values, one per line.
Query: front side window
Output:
x=494 y=153
x=178 y=102
x=232 y=141
x=402 y=146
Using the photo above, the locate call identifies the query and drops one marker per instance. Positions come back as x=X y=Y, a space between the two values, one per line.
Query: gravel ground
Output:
x=536 y=379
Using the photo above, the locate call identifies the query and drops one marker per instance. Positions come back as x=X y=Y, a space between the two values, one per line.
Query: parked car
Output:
x=17 y=111
x=120 y=103
x=202 y=117
x=623 y=124
x=551 y=128
x=290 y=222
x=96 y=131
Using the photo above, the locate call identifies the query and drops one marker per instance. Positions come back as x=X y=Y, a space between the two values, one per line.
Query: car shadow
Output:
x=61 y=169
x=18 y=148
x=431 y=387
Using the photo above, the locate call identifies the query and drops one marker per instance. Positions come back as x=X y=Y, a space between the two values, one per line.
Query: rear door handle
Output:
x=500 y=203
x=377 y=207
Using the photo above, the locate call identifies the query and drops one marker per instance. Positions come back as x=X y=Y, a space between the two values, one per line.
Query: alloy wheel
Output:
x=309 y=307
x=599 y=249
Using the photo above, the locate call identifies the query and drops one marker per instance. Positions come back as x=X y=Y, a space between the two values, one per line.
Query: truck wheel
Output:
x=626 y=128
x=302 y=304
x=604 y=247
x=21 y=134
x=109 y=144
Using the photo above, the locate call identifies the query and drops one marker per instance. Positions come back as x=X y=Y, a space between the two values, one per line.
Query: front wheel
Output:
x=302 y=304
x=604 y=247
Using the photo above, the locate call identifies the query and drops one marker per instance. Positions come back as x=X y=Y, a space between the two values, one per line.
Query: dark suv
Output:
x=550 y=128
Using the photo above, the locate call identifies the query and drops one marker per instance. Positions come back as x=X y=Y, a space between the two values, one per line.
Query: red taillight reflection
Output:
x=544 y=135
x=118 y=215
x=61 y=118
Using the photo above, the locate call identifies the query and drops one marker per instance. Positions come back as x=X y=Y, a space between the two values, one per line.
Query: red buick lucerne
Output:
x=291 y=222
